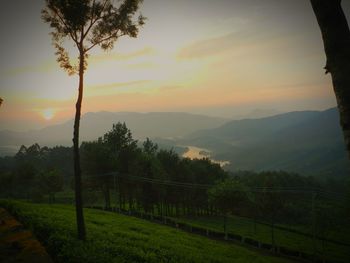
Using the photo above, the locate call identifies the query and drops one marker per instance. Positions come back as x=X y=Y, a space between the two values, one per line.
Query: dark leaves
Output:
x=90 y=23
x=63 y=60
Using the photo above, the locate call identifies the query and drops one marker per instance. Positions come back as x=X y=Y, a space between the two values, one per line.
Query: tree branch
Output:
x=105 y=39
x=92 y=22
x=75 y=39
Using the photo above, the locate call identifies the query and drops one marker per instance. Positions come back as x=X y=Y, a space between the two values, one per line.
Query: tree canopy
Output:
x=89 y=23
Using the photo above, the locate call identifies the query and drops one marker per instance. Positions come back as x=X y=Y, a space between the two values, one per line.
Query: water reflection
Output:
x=199 y=153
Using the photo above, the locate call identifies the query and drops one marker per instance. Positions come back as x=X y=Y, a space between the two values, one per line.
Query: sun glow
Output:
x=48 y=114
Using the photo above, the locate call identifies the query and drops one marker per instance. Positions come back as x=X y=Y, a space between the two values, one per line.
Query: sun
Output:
x=48 y=114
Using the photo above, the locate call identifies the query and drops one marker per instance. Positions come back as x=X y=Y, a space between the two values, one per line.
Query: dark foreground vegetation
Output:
x=18 y=244
x=300 y=213
x=117 y=238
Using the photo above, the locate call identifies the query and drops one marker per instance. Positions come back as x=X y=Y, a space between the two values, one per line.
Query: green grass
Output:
x=116 y=238
x=245 y=228
x=262 y=233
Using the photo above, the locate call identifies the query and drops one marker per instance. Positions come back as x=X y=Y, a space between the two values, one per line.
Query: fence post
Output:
x=255 y=211
x=115 y=191
x=273 y=235
x=225 y=225
x=313 y=215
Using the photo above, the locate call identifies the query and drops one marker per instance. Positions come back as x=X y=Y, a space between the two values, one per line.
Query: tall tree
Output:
x=52 y=182
x=88 y=23
x=98 y=161
x=336 y=38
x=1 y=100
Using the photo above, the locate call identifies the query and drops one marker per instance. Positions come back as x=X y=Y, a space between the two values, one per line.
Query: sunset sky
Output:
x=219 y=58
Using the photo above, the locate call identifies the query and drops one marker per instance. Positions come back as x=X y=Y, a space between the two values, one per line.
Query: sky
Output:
x=219 y=58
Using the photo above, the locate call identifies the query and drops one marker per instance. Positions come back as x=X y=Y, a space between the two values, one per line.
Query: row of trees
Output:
x=100 y=23
x=142 y=177
x=87 y=24
x=32 y=173
x=146 y=177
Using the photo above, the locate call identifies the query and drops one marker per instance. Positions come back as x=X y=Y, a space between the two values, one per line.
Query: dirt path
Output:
x=17 y=244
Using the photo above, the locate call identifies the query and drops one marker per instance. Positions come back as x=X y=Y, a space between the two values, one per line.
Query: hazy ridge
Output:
x=307 y=142
x=93 y=125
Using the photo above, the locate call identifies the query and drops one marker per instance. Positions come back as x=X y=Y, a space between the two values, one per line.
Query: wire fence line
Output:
x=317 y=235
x=312 y=190
x=307 y=221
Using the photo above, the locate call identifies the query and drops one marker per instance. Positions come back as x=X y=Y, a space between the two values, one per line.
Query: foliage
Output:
x=118 y=152
x=288 y=236
x=149 y=147
x=160 y=182
x=52 y=182
x=122 y=146
x=117 y=238
x=34 y=172
x=89 y=24
x=229 y=196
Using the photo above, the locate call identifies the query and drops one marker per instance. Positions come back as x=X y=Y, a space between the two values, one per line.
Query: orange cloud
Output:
x=147 y=51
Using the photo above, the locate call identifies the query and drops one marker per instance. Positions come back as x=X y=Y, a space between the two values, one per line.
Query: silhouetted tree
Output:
x=124 y=149
x=88 y=23
x=238 y=195
x=1 y=100
x=149 y=147
x=148 y=166
x=336 y=39
x=52 y=182
x=229 y=196
x=97 y=160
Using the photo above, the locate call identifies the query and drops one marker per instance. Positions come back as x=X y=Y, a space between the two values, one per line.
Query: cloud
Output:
x=43 y=67
x=118 y=88
x=117 y=84
x=171 y=87
x=147 y=51
x=218 y=45
x=51 y=65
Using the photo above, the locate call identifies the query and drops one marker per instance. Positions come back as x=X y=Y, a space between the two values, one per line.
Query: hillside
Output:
x=17 y=244
x=307 y=142
x=116 y=238
x=93 y=125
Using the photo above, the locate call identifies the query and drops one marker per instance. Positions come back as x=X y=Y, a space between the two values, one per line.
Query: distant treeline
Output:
x=154 y=180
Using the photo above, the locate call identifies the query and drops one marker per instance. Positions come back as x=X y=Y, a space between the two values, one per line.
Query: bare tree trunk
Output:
x=77 y=169
x=107 y=195
x=336 y=39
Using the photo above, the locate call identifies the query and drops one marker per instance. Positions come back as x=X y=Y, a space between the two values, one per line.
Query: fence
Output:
x=308 y=224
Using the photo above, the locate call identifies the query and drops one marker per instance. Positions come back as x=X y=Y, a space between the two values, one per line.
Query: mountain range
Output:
x=169 y=125
x=306 y=142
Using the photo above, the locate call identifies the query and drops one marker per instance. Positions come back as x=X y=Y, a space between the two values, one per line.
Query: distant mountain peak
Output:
x=306 y=142
x=257 y=114
x=95 y=124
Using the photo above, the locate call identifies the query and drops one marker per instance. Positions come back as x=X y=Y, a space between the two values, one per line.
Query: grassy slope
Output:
x=284 y=238
x=18 y=244
x=245 y=227
x=118 y=238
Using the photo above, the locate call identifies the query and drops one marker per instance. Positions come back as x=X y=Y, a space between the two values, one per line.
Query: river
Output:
x=194 y=152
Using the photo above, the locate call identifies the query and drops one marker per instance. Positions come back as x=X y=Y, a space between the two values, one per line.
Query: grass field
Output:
x=262 y=233
x=116 y=238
